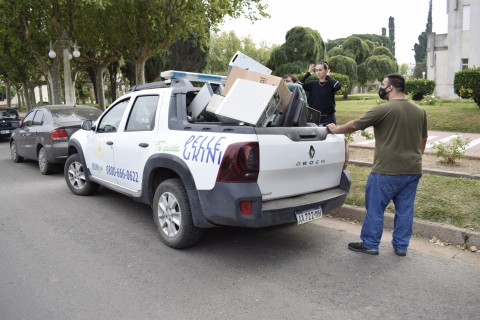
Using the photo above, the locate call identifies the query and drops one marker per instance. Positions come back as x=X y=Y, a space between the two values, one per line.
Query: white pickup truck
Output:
x=197 y=174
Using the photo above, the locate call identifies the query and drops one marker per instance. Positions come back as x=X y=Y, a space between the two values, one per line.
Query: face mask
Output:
x=382 y=93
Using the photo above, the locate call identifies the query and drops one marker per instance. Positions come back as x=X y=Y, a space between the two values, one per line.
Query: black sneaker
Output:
x=401 y=252
x=359 y=247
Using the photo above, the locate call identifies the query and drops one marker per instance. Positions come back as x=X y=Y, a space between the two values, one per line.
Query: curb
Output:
x=425 y=229
x=431 y=171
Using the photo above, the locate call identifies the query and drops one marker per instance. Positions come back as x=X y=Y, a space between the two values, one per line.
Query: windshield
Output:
x=8 y=114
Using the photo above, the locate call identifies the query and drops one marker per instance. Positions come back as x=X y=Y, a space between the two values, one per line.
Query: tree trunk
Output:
x=28 y=100
x=92 y=75
x=140 y=70
x=55 y=85
x=113 y=71
x=8 y=93
x=100 y=92
x=33 y=101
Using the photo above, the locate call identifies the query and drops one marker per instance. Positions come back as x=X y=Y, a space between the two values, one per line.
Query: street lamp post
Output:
x=65 y=44
x=423 y=74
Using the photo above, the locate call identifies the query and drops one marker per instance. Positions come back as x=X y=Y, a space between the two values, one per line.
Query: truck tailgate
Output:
x=299 y=162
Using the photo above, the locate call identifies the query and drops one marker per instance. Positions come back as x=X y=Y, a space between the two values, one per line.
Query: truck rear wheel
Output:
x=173 y=216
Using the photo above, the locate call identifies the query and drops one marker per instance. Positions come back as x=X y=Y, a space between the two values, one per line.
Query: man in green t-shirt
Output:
x=400 y=129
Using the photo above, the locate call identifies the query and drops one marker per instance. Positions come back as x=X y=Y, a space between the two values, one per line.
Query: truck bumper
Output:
x=221 y=205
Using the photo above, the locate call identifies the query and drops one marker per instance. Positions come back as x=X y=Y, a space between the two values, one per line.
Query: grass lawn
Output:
x=453 y=115
x=442 y=199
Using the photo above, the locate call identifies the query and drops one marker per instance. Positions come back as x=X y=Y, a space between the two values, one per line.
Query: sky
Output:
x=341 y=18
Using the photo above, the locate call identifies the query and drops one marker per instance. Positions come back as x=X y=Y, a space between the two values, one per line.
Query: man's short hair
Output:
x=291 y=76
x=397 y=81
x=323 y=63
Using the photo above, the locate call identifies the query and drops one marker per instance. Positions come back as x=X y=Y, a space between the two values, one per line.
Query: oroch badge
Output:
x=311 y=152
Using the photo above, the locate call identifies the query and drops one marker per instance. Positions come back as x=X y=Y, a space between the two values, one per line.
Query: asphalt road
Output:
x=99 y=257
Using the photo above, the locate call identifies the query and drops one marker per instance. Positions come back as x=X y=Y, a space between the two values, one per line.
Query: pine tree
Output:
x=420 y=48
x=391 y=34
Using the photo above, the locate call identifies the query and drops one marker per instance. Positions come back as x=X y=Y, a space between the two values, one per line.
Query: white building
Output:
x=456 y=50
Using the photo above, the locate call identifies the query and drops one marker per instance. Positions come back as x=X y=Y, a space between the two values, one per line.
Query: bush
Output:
x=451 y=152
x=419 y=88
x=296 y=67
x=467 y=84
x=429 y=101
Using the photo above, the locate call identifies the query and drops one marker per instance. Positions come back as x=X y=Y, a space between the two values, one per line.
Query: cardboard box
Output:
x=239 y=73
x=245 y=62
x=250 y=102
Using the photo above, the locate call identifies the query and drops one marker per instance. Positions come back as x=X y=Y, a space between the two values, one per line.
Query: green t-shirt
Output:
x=399 y=126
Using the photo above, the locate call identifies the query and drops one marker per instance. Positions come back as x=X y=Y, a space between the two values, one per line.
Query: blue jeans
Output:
x=380 y=190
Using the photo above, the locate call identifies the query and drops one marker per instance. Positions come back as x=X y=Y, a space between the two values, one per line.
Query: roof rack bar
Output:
x=192 y=76
x=150 y=85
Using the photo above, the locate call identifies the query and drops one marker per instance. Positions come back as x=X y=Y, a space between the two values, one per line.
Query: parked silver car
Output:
x=44 y=133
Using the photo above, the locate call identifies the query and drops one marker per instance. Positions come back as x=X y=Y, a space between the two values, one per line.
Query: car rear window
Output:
x=74 y=115
x=8 y=114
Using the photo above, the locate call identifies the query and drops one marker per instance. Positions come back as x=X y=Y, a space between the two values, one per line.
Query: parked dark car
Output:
x=8 y=121
x=44 y=133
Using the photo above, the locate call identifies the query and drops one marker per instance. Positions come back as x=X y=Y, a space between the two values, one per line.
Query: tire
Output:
x=14 y=154
x=75 y=177
x=173 y=216
x=45 y=166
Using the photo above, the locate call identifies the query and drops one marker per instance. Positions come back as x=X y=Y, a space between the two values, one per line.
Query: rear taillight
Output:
x=240 y=163
x=58 y=134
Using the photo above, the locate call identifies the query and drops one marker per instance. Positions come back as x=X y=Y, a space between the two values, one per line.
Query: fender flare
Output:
x=180 y=168
x=74 y=145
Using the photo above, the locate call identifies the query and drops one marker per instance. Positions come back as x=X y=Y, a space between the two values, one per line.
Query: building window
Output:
x=466 y=18
x=464 y=64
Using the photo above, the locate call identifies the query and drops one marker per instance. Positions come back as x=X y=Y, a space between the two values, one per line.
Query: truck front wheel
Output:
x=74 y=172
x=173 y=216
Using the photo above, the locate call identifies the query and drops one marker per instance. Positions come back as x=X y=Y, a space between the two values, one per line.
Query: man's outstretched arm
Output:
x=348 y=127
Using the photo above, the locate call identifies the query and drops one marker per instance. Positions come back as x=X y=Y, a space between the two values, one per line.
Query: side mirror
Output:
x=87 y=125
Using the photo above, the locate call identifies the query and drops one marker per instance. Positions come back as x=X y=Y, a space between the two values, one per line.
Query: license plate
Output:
x=5 y=131
x=304 y=216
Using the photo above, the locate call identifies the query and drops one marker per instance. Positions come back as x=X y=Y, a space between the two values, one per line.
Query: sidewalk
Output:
x=472 y=150
x=444 y=233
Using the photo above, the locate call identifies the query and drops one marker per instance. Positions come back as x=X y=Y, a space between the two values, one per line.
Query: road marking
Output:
x=472 y=143
x=366 y=141
x=430 y=145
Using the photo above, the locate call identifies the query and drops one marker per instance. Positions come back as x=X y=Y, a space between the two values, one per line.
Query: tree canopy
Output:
x=302 y=46
x=224 y=45
x=107 y=31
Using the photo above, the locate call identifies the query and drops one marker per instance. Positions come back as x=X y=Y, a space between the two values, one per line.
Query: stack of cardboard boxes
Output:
x=251 y=97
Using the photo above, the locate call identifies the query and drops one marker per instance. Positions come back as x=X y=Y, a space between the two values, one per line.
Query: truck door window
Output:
x=142 y=114
x=111 y=120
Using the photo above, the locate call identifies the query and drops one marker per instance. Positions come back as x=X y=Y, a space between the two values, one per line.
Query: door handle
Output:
x=143 y=145
x=110 y=143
